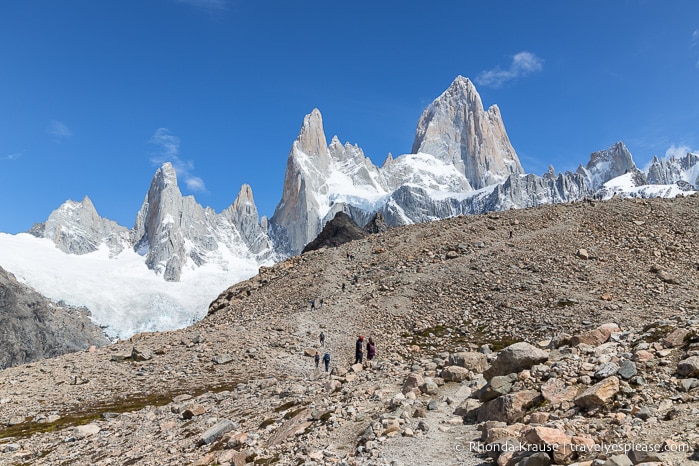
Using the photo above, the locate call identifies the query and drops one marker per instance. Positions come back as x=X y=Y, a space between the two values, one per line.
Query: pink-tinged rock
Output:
x=642 y=356
x=595 y=337
x=207 y=459
x=555 y=391
x=455 y=374
x=232 y=457
x=414 y=380
x=676 y=338
x=493 y=434
x=599 y=394
x=558 y=441
x=539 y=418
x=476 y=362
x=508 y=408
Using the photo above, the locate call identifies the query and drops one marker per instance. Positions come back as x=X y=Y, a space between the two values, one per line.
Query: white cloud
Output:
x=523 y=64
x=677 y=151
x=170 y=152
x=695 y=38
x=195 y=184
x=211 y=6
x=59 y=130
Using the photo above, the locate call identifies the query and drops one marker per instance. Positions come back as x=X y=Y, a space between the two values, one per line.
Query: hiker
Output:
x=326 y=361
x=313 y=305
x=343 y=287
x=370 y=349
x=358 y=352
x=321 y=304
x=510 y=234
x=316 y=358
x=322 y=339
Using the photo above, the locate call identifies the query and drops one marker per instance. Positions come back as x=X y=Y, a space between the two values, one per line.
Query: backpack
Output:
x=326 y=358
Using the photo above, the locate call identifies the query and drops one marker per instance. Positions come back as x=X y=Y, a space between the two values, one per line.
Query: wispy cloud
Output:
x=678 y=151
x=695 y=38
x=58 y=130
x=14 y=156
x=170 y=152
x=209 y=6
x=523 y=64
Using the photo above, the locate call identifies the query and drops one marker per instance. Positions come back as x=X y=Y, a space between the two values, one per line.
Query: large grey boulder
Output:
x=688 y=367
x=471 y=360
x=508 y=408
x=516 y=358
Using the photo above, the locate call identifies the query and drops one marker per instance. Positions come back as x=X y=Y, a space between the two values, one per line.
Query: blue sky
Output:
x=95 y=94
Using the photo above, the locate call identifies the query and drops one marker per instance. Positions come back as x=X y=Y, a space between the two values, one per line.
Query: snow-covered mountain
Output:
x=163 y=272
x=457 y=130
x=462 y=163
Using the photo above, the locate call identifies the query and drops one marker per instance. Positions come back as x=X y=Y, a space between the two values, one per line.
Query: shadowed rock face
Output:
x=377 y=224
x=32 y=327
x=339 y=230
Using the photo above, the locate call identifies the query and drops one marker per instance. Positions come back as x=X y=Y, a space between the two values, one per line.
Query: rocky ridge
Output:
x=35 y=328
x=542 y=328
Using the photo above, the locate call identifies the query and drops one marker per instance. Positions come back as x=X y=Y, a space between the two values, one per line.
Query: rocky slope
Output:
x=604 y=292
x=33 y=327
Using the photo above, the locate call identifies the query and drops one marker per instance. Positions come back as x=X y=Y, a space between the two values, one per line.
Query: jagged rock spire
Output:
x=456 y=129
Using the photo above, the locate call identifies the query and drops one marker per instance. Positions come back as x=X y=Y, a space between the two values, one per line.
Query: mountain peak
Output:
x=244 y=197
x=456 y=129
x=167 y=174
x=311 y=139
x=463 y=84
x=607 y=164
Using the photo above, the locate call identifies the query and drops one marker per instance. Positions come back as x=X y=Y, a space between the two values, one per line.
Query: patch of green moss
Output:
x=267 y=422
x=656 y=332
x=293 y=413
x=504 y=343
x=86 y=414
x=285 y=406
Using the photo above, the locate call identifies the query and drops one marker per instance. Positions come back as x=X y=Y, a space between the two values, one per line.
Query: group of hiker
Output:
x=358 y=351
x=313 y=304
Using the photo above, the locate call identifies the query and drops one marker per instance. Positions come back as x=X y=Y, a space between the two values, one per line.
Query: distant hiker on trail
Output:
x=313 y=305
x=321 y=304
x=510 y=234
x=358 y=352
x=316 y=358
x=370 y=350
x=343 y=287
x=326 y=361
x=322 y=339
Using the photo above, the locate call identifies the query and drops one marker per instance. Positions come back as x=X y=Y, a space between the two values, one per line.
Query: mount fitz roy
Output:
x=462 y=162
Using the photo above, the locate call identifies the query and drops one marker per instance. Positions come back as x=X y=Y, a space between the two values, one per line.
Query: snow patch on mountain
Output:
x=123 y=295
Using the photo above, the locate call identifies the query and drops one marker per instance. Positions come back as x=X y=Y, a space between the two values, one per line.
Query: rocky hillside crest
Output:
x=572 y=324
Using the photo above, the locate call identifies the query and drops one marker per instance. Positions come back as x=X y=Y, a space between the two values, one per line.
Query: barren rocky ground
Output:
x=587 y=315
